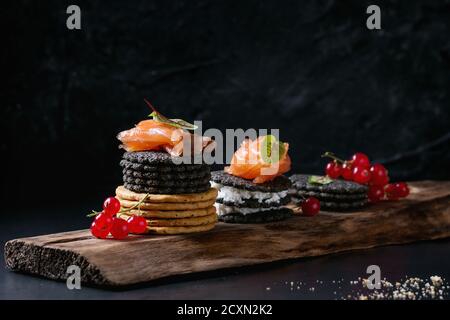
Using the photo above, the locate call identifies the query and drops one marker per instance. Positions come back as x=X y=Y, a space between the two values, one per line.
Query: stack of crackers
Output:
x=339 y=195
x=243 y=201
x=173 y=198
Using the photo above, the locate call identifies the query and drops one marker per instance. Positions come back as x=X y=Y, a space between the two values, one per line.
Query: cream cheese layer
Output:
x=223 y=209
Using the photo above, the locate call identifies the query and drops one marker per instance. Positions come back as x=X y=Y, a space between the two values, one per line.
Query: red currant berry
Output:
x=375 y=193
x=137 y=224
x=360 y=160
x=391 y=191
x=347 y=171
x=401 y=189
x=104 y=220
x=379 y=175
x=111 y=206
x=98 y=232
x=311 y=206
x=333 y=170
x=101 y=226
x=361 y=175
x=119 y=229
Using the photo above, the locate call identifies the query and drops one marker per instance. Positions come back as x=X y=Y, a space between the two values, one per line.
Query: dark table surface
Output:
x=330 y=276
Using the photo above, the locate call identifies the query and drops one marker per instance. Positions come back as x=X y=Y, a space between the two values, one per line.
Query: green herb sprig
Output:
x=177 y=123
x=319 y=180
x=271 y=149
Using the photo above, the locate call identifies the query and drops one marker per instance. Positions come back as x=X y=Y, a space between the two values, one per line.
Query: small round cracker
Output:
x=180 y=230
x=167 y=190
x=273 y=215
x=280 y=183
x=126 y=194
x=329 y=196
x=301 y=182
x=174 y=214
x=171 y=206
x=183 y=222
x=167 y=183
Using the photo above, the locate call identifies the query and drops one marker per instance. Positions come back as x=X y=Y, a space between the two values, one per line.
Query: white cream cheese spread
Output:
x=223 y=209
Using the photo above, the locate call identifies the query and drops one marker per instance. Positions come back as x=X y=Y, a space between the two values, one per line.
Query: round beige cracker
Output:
x=126 y=194
x=183 y=222
x=172 y=206
x=180 y=230
x=174 y=214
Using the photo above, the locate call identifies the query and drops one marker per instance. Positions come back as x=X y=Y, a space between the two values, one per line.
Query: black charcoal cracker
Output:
x=300 y=182
x=167 y=183
x=278 y=184
x=166 y=190
x=173 y=168
x=161 y=175
x=258 y=217
x=156 y=158
x=328 y=196
x=337 y=206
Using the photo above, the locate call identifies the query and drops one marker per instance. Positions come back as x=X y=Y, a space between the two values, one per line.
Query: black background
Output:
x=310 y=68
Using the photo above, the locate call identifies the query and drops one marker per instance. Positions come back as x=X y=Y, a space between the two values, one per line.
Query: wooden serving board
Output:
x=424 y=215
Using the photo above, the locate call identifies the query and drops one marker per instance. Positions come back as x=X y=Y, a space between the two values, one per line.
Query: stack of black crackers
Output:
x=155 y=172
x=242 y=201
x=338 y=195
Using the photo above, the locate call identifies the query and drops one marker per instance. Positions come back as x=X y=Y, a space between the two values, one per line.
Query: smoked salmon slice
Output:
x=249 y=163
x=153 y=135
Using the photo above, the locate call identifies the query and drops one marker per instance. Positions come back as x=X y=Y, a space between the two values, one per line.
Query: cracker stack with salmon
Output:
x=253 y=188
x=173 y=197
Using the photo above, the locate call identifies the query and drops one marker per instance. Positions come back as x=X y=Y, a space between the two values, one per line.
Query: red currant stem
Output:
x=137 y=205
x=95 y=213
x=331 y=155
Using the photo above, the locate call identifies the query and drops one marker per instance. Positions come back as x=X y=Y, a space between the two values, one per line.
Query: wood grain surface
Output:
x=424 y=215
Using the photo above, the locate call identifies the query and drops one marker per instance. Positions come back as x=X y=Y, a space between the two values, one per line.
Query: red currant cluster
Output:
x=359 y=170
x=106 y=222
